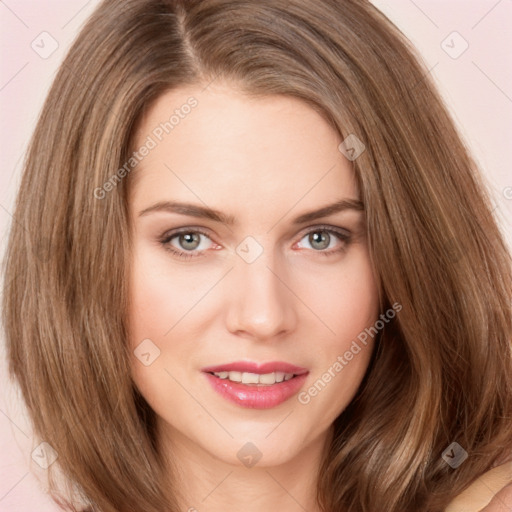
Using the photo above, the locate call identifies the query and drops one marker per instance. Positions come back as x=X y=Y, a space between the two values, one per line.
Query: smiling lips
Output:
x=256 y=386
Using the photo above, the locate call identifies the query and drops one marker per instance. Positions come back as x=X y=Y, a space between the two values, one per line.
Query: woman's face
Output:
x=241 y=270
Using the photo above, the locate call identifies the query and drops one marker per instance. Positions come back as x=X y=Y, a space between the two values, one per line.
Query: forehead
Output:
x=225 y=146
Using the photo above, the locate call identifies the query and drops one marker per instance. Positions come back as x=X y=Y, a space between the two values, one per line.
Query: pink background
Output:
x=477 y=87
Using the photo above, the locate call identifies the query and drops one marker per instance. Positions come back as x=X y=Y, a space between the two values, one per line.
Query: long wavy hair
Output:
x=442 y=374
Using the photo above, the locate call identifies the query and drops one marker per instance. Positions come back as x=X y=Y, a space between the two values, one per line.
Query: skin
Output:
x=502 y=502
x=264 y=161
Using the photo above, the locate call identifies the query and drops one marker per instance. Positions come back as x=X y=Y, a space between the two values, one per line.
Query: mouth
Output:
x=256 y=386
x=265 y=379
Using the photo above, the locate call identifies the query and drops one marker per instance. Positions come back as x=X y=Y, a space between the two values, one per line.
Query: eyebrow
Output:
x=195 y=210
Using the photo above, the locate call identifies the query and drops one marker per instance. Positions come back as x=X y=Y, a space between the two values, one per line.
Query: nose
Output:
x=262 y=304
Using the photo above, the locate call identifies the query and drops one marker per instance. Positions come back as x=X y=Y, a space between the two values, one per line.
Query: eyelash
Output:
x=165 y=240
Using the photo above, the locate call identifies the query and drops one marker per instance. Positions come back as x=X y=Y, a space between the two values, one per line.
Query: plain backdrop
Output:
x=464 y=43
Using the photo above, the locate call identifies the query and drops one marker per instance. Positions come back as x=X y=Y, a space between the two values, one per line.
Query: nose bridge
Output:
x=261 y=304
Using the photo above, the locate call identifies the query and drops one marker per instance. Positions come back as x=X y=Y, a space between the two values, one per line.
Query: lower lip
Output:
x=256 y=396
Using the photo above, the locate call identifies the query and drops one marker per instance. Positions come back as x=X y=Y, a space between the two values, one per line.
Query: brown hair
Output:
x=442 y=373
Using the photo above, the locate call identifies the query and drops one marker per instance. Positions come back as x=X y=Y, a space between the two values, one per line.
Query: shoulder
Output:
x=491 y=492
x=502 y=501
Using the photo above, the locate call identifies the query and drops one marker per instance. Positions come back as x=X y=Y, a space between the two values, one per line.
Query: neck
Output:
x=205 y=482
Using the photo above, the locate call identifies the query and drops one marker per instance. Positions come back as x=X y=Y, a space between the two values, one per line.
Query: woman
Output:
x=256 y=267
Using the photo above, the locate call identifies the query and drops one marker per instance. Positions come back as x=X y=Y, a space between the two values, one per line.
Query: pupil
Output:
x=190 y=240
x=322 y=240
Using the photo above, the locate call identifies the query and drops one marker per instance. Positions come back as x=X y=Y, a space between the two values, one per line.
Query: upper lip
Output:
x=260 y=368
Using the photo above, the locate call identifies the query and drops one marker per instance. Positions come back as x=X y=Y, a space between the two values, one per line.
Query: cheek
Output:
x=357 y=304
x=357 y=311
x=159 y=298
x=156 y=305
x=153 y=302
x=346 y=297
x=349 y=306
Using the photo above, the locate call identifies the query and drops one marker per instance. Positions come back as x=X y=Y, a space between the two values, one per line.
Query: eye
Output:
x=186 y=243
x=192 y=242
x=322 y=238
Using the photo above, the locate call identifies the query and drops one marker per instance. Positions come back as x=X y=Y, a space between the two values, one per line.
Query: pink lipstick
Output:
x=256 y=386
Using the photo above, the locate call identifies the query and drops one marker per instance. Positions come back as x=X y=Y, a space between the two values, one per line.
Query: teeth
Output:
x=255 y=378
x=267 y=378
x=250 y=378
x=235 y=376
